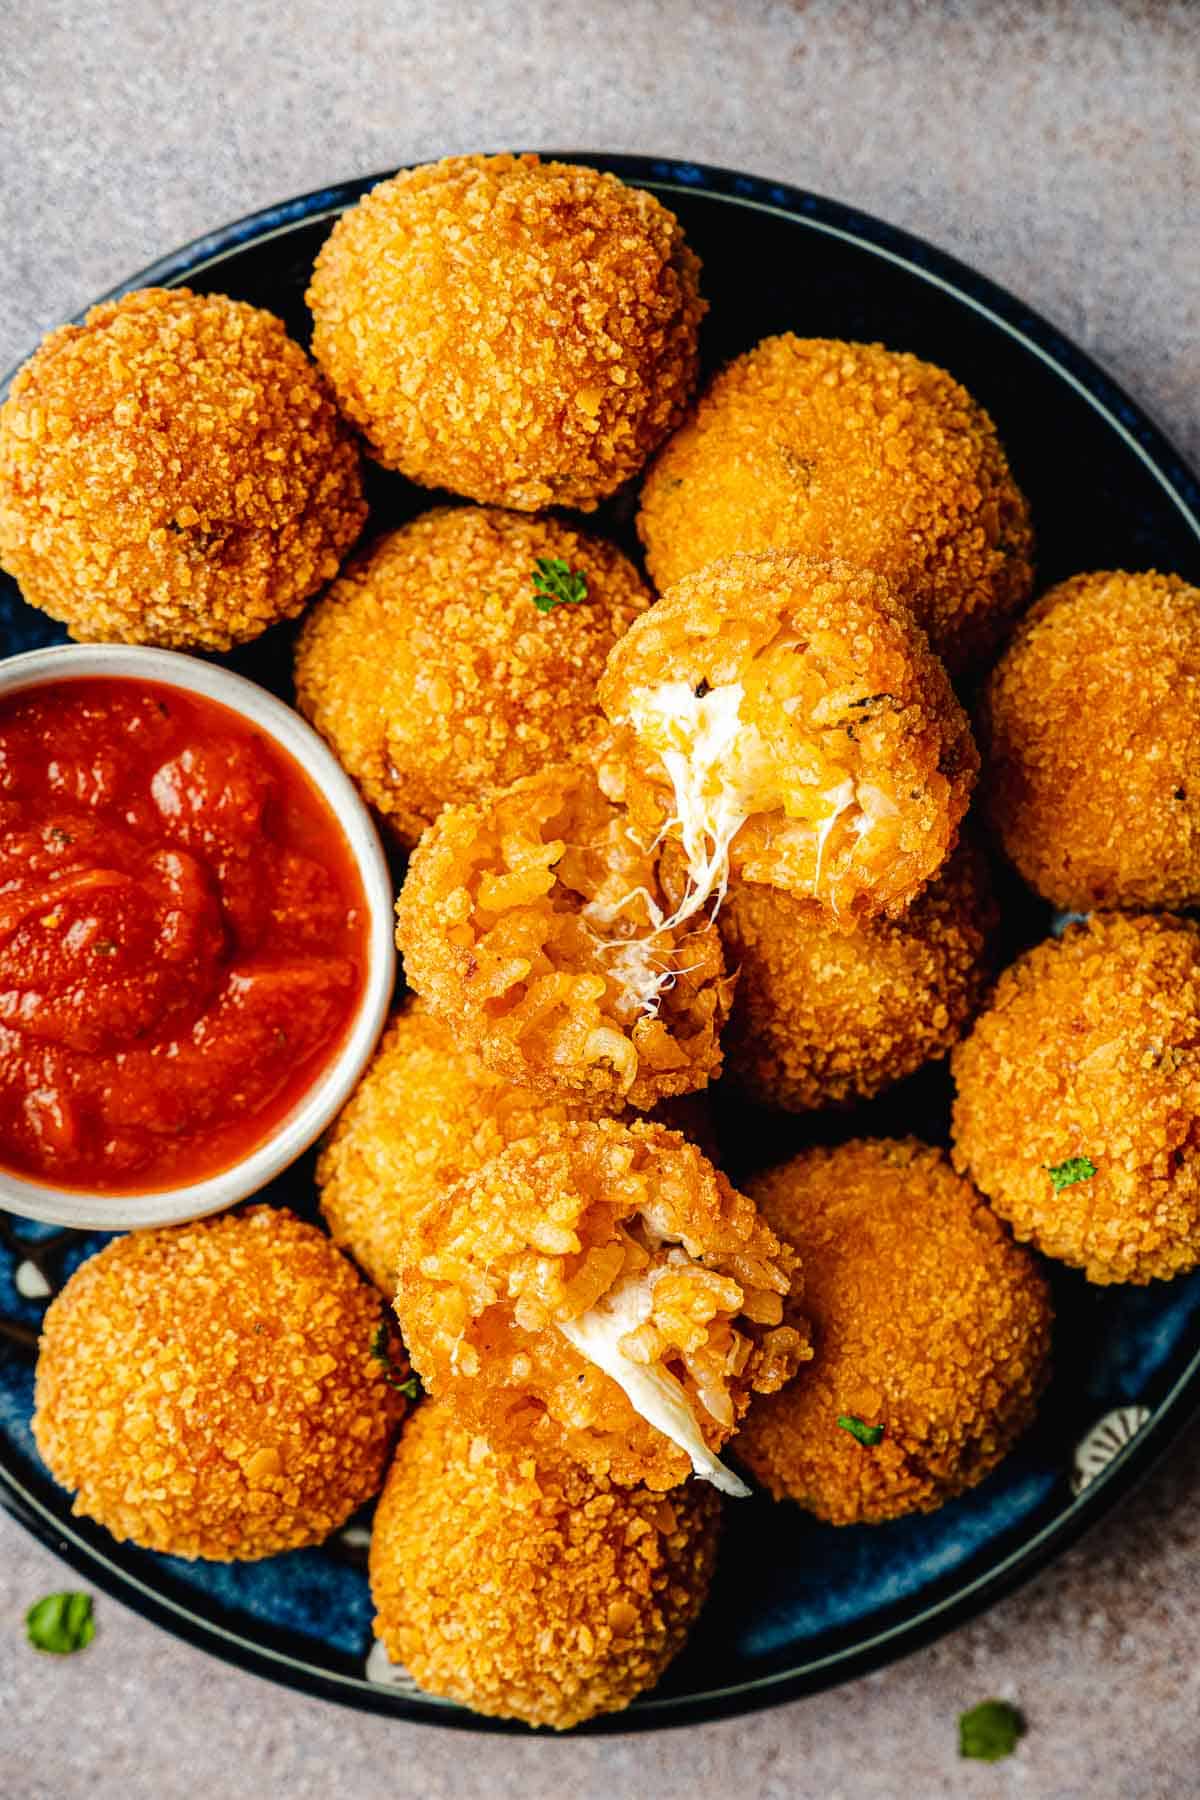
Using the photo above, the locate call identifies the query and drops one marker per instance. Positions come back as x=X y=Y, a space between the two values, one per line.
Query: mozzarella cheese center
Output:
x=654 y=1393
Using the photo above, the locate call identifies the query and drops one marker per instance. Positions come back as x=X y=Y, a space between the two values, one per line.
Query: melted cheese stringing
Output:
x=721 y=772
x=718 y=767
x=652 y=1391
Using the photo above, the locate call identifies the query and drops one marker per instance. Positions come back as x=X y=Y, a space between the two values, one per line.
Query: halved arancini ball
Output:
x=520 y=332
x=1092 y=748
x=433 y=675
x=787 y=722
x=857 y=452
x=603 y=1289
x=927 y=1322
x=210 y=1389
x=173 y=471
x=823 y=1017
x=533 y=924
x=427 y=1112
x=1078 y=1104
x=526 y=1587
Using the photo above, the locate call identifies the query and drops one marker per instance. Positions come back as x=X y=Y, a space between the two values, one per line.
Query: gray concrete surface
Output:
x=1055 y=146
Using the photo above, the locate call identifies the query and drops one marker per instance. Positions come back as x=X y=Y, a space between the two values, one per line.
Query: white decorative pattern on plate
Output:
x=30 y=1282
x=380 y=1668
x=1107 y=1438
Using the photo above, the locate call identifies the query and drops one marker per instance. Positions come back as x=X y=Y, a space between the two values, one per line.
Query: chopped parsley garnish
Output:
x=870 y=1435
x=989 y=1732
x=555 y=583
x=61 y=1623
x=1066 y=1174
x=408 y=1385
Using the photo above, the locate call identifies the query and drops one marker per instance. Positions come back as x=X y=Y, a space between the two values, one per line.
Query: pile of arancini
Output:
x=656 y=844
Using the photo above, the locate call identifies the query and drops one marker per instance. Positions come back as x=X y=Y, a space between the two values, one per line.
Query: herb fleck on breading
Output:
x=555 y=583
x=1066 y=1174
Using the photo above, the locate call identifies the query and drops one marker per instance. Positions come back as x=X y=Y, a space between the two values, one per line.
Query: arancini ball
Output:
x=1093 y=753
x=173 y=472
x=605 y=1289
x=521 y=332
x=533 y=925
x=1079 y=1095
x=210 y=1389
x=525 y=1587
x=787 y=722
x=931 y=1335
x=823 y=1017
x=857 y=452
x=434 y=676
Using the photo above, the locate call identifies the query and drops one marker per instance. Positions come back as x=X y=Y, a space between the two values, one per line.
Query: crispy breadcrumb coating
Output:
x=427 y=1112
x=529 y=924
x=434 y=676
x=787 y=721
x=173 y=471
x=1089 y=1055
x=526 y=1587
x=209 y=1389
x=606 y=1289
x=520 y=332
x=851 y=451
x=926 y=1320
x=1093 y=751
x=823 y=1017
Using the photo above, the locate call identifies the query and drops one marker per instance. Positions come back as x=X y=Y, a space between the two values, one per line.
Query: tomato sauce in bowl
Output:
x=183 y=935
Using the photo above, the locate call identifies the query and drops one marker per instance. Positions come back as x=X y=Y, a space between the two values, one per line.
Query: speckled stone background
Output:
x=1054 y=145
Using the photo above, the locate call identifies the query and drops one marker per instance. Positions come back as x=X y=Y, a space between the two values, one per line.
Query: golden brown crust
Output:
x=1092 y=748
x=853 y=451
x=520 y=332
x=1089 y=1050
x=823 y=1017
x=926 y=1320
x=842 y=688
x=173 y=471
x=541 y=1234
x=209 y=1390
x=510 y=929
x=433 y=675
x=528 y=1588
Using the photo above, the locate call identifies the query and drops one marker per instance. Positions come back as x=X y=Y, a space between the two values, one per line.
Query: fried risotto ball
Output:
x=523 y=333
x=927 y=1320
x=1093 y=756
x=434 y=676
x=210 y=1390
x=1078 y=1103
x=427 y=1112
x=787 y=721
x=823 y=1017
x=527 y=1587
x=534 y=925
x=173 y=471
x=852 y=451
x=603 y=1289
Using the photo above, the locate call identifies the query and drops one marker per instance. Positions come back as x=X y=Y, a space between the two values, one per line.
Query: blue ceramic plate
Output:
x=797 y=1605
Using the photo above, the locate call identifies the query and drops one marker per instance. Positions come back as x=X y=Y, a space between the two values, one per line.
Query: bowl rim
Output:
x=954 y=1601
x=292 y=1135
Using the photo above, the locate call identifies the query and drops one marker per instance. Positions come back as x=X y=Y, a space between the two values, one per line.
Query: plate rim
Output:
x=1132 y=423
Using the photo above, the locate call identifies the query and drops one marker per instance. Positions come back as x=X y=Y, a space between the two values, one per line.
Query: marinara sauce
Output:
x=182 y=935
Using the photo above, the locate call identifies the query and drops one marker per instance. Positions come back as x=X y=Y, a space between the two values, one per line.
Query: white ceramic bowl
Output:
x=317 y=1107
